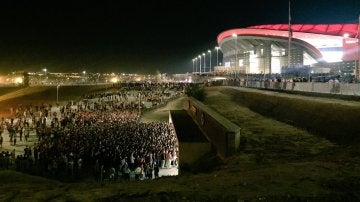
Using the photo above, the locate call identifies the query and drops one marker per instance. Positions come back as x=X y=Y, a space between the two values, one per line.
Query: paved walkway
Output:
x=20 y=145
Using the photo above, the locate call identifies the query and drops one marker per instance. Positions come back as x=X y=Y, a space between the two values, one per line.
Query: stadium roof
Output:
x=323 y=29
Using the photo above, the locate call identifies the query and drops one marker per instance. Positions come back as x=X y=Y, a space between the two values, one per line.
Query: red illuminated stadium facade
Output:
x=264 y=49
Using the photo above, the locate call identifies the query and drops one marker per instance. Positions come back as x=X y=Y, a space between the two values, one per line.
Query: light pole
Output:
x=193 y=60
x=199 y=56
x=217 y=55
x=57 y=94
x=84 y=76
x=45 y=75
x=209 y=51
x=235 y=39
x=204 y=62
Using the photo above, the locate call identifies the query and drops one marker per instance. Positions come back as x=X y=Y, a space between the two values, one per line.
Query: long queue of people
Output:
x=95 y=137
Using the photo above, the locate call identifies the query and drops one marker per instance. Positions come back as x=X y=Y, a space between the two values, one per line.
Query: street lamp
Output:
x=57 y=94
x=193 y=60
x=45 y=75
x=209 y=51
x=199 y=56
x=204 y=62
x=84 y=76
x=235 y=39
x=217 y=55
x=196 y=59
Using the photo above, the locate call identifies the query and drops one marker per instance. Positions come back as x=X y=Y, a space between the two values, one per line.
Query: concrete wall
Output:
x=222 y=133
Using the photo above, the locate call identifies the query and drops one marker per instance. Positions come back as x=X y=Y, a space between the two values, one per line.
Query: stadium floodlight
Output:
x=195 y=62
x=196 y=59
x=200 y=63
x=209 y=51
x=204 y=68
x=217 y=55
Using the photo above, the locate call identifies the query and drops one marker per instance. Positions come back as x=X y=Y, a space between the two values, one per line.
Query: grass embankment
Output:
x=335 y=120
x=303 y=164
x=276 y=162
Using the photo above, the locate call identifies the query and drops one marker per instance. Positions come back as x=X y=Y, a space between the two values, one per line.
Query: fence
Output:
x=316 y=87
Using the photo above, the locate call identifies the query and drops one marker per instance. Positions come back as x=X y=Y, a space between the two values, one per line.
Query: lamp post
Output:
x=217 y=55
x=45 y=75
x=193 y=60
x=235 y=39
x=84 y=76
x=57 y=94
x=199 y=56
x=204 y=61
x=209 y=51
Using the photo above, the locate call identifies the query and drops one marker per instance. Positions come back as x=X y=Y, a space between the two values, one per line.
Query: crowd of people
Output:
x=100 y=135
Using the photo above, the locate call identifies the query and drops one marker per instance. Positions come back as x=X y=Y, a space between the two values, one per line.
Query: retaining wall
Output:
x=222 y=134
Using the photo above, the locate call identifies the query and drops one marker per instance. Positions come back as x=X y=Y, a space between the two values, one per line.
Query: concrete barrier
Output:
x=192 y=143
x=222 y=134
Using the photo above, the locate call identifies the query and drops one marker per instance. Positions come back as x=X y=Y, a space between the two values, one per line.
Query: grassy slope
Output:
x=306 y=165
x=276 y=162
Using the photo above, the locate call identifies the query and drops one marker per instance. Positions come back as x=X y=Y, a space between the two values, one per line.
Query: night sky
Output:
x=138 y=36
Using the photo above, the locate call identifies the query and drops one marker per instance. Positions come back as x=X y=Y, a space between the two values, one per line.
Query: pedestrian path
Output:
x=20 y=145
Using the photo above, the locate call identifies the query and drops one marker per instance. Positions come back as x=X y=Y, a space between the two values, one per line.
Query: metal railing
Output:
x=316 y=87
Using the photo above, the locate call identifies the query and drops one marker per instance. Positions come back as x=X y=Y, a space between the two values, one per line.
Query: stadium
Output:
x=264 y=49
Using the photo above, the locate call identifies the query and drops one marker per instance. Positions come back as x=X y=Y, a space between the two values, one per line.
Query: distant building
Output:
x=264 y=49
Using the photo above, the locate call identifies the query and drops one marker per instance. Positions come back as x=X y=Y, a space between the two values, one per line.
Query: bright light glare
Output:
x=332 y=56
x=114 y=80
x=18 y=80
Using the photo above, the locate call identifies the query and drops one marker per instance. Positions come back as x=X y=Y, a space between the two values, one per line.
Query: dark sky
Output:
x=138 y=36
